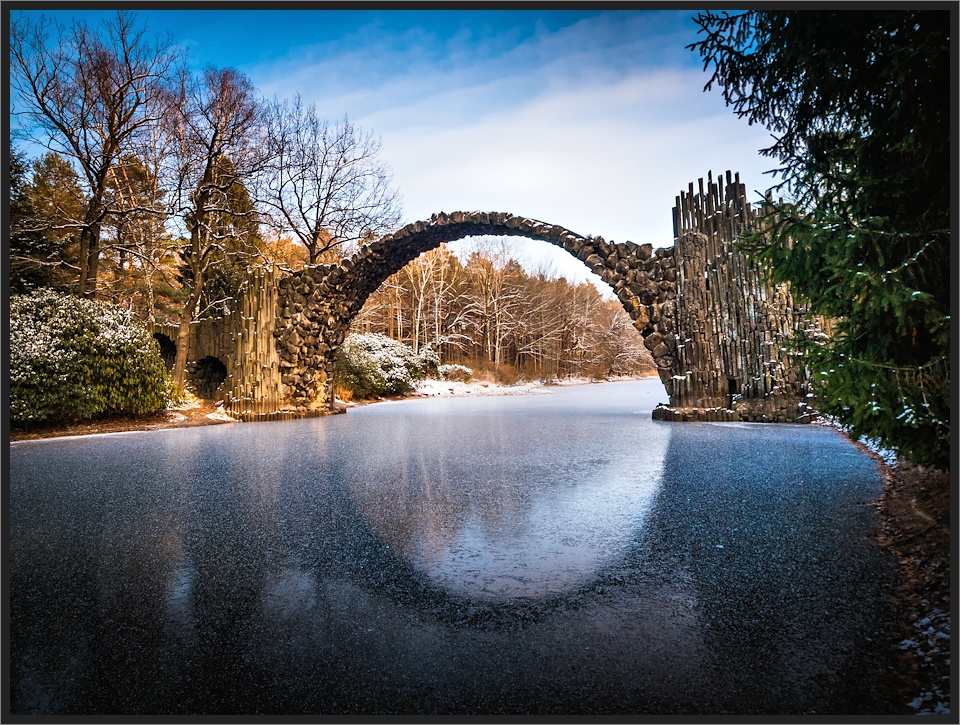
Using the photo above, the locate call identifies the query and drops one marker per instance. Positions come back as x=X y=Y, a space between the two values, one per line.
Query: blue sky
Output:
x=594 y=120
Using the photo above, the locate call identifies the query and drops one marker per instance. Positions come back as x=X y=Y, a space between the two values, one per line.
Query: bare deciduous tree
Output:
x=494 y=296
x=327 y=185
x=218 y=145
x=87 y=95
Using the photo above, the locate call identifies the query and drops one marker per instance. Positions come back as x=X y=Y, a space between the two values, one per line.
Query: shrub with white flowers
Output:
x=75 y=358
x=374 y=365
x=457 y=373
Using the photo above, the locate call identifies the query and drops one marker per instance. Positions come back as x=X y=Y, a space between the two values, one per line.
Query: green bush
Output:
x=374 y=365
x=74 y=358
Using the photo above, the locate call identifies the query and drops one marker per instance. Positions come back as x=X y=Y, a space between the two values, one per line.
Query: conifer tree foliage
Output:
x=858 y=103
x=45 y=204
x=235 y=227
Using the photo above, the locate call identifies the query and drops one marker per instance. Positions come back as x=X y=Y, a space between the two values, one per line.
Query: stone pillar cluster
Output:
x=243 y=342
x=734 y=358
x=253 y=362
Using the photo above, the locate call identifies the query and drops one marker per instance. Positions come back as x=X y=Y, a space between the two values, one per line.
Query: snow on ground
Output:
x=189 y=402
x=888 y=456
x=220 y=414
x=451 y=388
x=930 y=643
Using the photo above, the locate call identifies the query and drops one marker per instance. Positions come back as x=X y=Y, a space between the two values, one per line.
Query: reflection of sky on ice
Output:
x=526 y=507
x=558 y=542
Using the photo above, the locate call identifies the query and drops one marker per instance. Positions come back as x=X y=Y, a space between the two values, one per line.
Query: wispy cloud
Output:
x=596 y=125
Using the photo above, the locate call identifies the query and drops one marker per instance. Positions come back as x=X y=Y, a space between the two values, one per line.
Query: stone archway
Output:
x=207 y=376
x=317 y=305
x=717 y=329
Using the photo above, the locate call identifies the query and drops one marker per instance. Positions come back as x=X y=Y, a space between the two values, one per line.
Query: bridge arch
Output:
x=717 y=328
x=318 y=304
x=612 y=262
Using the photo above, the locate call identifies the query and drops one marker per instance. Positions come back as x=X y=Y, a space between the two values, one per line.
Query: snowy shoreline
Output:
x=456 y=389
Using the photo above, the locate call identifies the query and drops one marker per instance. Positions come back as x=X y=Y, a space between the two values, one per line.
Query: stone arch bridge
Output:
x=716 y=329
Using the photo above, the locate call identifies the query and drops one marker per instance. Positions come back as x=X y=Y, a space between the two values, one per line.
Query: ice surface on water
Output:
x=557 y=543
x=568 y=497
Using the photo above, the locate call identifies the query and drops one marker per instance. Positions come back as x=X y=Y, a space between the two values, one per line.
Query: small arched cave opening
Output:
x=507 y=310
x=206 y=376
x=733 y=391
x=168 y=349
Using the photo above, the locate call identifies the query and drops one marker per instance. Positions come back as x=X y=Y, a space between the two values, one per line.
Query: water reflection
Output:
x=496 y=508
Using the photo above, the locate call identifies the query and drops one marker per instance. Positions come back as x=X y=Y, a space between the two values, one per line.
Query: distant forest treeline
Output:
x=487 y=312
x=490 y=313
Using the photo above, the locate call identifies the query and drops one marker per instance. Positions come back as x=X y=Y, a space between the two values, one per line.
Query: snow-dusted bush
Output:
x=374 y=365
x=75 y=358
x=457 y=373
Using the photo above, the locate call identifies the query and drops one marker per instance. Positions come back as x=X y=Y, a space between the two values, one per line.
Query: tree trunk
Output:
x=186 y=315
x=84 y=250
x=151 y=309
x=90 y=251
x=183 y=334
x=93 y=263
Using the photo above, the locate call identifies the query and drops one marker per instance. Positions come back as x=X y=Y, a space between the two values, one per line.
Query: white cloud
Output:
x=602 y=160
x=596 y=126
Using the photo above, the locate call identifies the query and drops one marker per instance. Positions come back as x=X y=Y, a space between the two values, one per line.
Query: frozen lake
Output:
x=553 y=554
